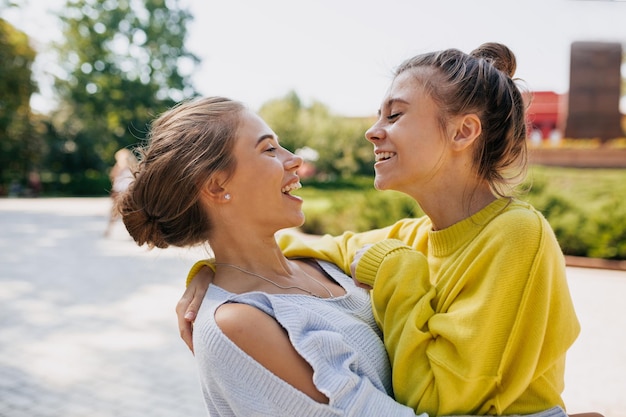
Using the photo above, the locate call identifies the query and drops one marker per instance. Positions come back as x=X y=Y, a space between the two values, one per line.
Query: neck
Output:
x=245 y=263
x=259 y=254
x=447 y=208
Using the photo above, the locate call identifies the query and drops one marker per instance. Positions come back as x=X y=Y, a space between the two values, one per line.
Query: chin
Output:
x=299 y=221
x=380 y=185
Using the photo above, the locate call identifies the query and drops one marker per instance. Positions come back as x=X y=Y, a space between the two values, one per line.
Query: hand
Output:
x=355 y=261
x=189 y=304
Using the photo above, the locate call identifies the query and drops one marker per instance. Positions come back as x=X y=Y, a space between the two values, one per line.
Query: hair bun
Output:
x=499 y=55
x=143 y=227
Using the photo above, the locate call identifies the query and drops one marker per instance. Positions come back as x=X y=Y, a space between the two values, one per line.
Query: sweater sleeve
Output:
x=401 y=299
x=341 y=249
x=336 y=249
x=492 y=338
x=197 y=266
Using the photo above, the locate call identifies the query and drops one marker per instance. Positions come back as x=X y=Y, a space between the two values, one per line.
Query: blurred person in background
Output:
x=121 y=175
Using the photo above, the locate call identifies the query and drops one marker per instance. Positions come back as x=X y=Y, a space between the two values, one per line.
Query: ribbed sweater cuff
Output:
x=368 y=265
x=196 y=267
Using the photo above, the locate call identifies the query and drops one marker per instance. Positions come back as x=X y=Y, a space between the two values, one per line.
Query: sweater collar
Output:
x=448 y=240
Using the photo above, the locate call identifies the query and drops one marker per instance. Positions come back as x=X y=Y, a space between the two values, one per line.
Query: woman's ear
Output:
x=214 y=191
x=467 y=130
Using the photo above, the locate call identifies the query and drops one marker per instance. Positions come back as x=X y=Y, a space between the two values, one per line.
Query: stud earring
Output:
x=226 y=196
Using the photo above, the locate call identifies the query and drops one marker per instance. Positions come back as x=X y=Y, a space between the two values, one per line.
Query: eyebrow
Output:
x=391 y=102
x=266 y=137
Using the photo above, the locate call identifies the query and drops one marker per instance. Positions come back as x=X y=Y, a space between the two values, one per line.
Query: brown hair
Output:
x=186 y=146
x=481 y=83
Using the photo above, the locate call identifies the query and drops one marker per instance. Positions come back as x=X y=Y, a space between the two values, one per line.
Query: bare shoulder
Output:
x=242 y=321
x=264 y=339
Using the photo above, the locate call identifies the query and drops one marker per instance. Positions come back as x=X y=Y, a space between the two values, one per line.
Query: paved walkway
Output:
x=87 y=323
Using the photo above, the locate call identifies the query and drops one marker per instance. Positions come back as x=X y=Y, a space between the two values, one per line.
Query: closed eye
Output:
x=393 y=116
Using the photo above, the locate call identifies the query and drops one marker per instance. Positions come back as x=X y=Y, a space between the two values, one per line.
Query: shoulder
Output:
x=252 y=330
x=521 y=227
x=264 y=339
x=243 y=322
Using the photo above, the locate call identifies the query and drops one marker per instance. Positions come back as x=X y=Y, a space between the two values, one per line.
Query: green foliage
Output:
x=283 y=116
x=586 y=208
x=125 y=63
x=20 y=148
x=339 y=141
x=355 y=206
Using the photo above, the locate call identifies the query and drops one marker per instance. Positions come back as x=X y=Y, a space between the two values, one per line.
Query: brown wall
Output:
x=579 y=158
x=594 y=91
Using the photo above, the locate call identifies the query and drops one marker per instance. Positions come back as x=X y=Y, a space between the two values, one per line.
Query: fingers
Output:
x=361 y=285
x=186 y=333
x=357 y=257
x=186 y=317
x=189 y=304
x=353 y=269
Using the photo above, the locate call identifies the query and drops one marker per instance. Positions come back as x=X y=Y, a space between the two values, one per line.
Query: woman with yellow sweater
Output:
x=472 y=298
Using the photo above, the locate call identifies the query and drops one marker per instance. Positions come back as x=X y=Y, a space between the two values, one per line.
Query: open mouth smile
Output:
x=383 y=156
x=291 y=187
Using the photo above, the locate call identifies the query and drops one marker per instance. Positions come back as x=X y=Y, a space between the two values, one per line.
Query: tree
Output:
x=19 y=148
x=339 y=141
x=126 y=62
x=284 y=116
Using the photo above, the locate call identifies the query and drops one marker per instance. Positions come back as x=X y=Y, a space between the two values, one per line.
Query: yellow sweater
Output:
x=477 y=318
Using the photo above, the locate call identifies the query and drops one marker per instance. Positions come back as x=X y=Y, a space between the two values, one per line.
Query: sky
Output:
x=342 y=52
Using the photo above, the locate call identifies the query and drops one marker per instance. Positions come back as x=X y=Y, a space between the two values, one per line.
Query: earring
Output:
x=227 y=196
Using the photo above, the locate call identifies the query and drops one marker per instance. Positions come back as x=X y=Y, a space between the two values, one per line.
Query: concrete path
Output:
x=87 y=323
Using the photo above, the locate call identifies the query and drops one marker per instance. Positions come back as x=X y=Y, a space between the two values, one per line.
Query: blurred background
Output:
x=82 y=79
x=87 y=324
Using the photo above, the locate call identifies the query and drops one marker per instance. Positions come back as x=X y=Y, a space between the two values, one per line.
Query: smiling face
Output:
x=409 y=145
x=264 y=176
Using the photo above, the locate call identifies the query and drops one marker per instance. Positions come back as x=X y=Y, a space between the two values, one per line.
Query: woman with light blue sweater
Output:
x=275 y=336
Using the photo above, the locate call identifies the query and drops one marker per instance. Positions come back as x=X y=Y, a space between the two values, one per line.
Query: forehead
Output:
x=251 y=121
x=404 y=88
x=252 y=125
x=406 y=82
x=252 y=129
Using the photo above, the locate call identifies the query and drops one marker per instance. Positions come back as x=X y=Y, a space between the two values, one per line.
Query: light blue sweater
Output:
x=338 y=337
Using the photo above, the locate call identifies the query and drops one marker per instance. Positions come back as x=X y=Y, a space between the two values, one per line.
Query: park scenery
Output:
x=88 y=322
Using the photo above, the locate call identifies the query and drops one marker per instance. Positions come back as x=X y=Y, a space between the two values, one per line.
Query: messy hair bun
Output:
x=187 y=145
x=498 y=55
x=143 y=227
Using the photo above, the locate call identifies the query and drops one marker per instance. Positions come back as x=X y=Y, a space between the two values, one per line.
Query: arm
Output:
x=491 y=333
x=399 y=277
x=259 y=336
x=341 y=249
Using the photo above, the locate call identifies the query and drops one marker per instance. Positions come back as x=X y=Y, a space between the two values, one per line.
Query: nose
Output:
x=375 y=132
x=293 y=161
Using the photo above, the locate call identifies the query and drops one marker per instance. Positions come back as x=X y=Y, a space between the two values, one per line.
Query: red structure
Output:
x=546 y=113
